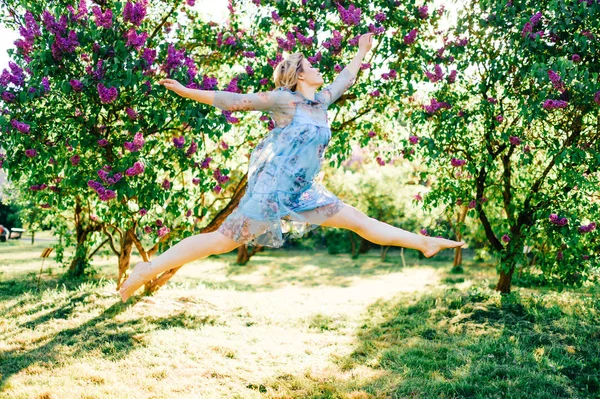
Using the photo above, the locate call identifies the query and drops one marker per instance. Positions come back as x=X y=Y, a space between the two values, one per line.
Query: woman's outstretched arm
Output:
x=225 y=100
x=347 y=76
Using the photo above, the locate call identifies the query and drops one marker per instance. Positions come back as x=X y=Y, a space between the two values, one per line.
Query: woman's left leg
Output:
x=385 y=234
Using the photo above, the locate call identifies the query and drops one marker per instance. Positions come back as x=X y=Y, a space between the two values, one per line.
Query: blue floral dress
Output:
x=282 y=199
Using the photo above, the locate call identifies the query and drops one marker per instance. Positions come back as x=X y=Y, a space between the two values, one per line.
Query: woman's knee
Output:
x=350 y=218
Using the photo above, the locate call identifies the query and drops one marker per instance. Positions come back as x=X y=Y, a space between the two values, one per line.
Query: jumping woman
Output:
x=282 y=199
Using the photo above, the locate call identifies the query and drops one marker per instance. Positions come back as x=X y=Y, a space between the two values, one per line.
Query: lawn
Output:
x=293 y=324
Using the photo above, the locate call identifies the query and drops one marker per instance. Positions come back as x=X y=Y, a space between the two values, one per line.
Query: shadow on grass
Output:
x=277 y=269
x=471 y=343
x=112 y=339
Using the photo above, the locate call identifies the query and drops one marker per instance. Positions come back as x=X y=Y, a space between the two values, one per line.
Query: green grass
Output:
x=293 y=324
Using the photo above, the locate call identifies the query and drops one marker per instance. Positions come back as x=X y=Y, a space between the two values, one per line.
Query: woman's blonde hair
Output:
x=286 y=72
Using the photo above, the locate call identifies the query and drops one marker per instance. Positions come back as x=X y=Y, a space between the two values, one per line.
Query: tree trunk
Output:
x=32 y=237
x=365 y=246
x=384 y=251
x=505 y=280
x=457 y=265
x=125 y=251
x=242 y=255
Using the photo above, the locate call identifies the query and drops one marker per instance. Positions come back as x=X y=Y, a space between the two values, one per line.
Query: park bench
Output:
x=16 y=233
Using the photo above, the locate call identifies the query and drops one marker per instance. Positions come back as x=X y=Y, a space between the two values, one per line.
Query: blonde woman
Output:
x=282 y=198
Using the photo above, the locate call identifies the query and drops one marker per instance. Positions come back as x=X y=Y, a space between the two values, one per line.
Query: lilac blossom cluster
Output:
x=410 y=37
x=103 y=174
x=587 y=228
x=276 y=61
x=192 y=149
x=38 y=187
x=377 y=30
x=350 y=16
x=149 y=55
x=553 y=104
x=174 y=59
x=29 y=32
x=435 y=106
x=20 y=126
x=221 y=178
x=392 y=74
x=135 y=13
x=134 y=39
x=437 y=76
x=514 y=140
x=137 y=143
x=98 y=73
x=289 y=44
x=423 y=12
x=81 y=13
x=306 y=41
x=16 y=76
x=335 y=44
x=103 y=193
x=77 y=85
x=457 y=162
x=276 y=18
x=103 y=19
x=556 y=81
x=136 y=169
x=209 y=83
x=107 y=95
x=131 y=113
x=179 y=142
x=2 y=158
x=31 y=153
x=316 y=58
x=555 y=219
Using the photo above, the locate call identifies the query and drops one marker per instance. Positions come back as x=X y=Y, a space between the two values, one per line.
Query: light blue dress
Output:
x=282 y=199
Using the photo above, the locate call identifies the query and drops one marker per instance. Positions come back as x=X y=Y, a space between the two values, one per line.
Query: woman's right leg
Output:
x=191 y=248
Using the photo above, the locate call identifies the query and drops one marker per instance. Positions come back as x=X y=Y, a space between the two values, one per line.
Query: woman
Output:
x=282 y=199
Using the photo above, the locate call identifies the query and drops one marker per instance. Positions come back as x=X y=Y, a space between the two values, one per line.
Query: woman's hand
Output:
x=174 y=85
x=365 y=42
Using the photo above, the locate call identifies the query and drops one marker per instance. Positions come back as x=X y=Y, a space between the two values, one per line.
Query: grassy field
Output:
x=293 y=324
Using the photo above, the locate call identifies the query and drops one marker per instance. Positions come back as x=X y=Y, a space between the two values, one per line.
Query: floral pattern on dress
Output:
x=282 y=199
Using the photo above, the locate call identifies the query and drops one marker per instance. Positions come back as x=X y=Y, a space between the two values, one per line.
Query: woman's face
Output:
x=311 y=75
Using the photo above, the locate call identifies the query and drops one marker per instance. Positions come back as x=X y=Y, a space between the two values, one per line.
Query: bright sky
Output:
x=215 y=10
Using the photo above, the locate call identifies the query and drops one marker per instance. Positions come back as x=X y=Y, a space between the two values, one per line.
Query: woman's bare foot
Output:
x=141 y=273
x=435 y=245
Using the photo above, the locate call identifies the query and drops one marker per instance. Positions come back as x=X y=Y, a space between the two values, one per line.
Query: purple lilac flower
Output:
x=102 y=142
x=438 y=74
x=107 y=95
x=597 y=97
x=559 y=255
x=424 y=232
x=506 y=238
x=137 y=144
x=587 y=228
x=410 y=37
x=423 y=12
x=2 y=158
x=192 y=149
x=418 y=197
x=174 y=59
x=552 y=104
x=377 y=30
x=143 y=212
x=371 y=134
x=289 y=44
x=163 y=231
x=536 y=18
x=20 y=126
x=149 y=55
x=135 y=13
x=77 y=85
x=148 y=229
x=556 y=81
x=249 y=70
x=159 y=223
x=380 y=17
x=365 y=65
x=500 y=118
x=31 y=153
x=457 y=162
x=8 y=97
x=131 y=113
x=514 y=140
x=375 y=93
x=136 y=169
x=134 y=40
x=472 y=204
x=249 y=54
x=81 y=13
x=435 y=105
x=264 y=81
x=350 y=16
x=316 y=58
x=338 y=68
x=217 y=189
x=195 y=181
x=413 y=139
x=166 y=184
x=276 y=17
x=179 y=141
x=75 y=159
x=576 y=58
x=103 y=20
x=205 y=162
x=452 y=76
